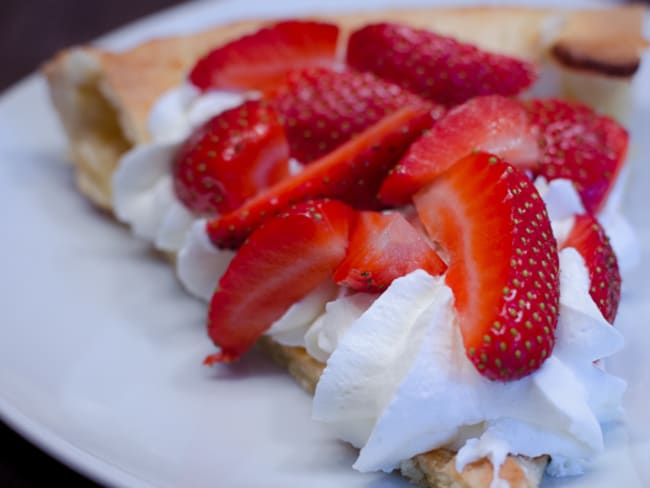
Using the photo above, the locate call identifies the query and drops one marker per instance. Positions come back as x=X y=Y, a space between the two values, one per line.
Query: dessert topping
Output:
x=589 y=239
x=260 y=61
x=580 y=145
x=280 y=263
x=321 y=109
x=493 y=124
x=351 y=173
x=435 y=67
x=384 y=246
x=231 y=158
x=503 y=262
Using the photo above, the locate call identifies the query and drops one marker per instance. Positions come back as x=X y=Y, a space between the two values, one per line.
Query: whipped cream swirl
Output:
x=399 y=383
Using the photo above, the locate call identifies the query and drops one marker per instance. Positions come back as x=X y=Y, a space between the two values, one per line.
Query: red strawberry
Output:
x=493 y=123
x=261 y=60
x=321 y=109
x=589 y=239
x=384 y=246
x=435 y=67
x=279 y=265
x=352 y=173
x=580 y=145
x=503 y=262
x=231 y=158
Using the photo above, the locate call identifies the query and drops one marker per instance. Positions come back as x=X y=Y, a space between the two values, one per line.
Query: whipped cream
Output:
x=399 y=383
x=199 y=264
x=143 y=193
x=292 y=327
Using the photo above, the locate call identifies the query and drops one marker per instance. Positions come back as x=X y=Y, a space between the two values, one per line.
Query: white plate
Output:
x=100 y=350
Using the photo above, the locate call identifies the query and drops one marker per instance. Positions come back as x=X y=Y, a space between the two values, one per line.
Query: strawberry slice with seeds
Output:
x=231 y=158
x=384 y=246
x=589 y=239
x=321 y=109
x=278 y=265
x=435 y=67
x=260 y=61
x=493 y=124
x=580 y=145
x=352 y=173
x=503 y=262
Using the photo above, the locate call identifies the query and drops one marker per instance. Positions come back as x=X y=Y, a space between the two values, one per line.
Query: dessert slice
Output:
x=104 y=118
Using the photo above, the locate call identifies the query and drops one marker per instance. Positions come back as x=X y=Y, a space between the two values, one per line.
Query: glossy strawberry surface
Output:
x=321 y=109
x=281 y=262
x=351 y=173
x=493 y=123
x=580 y=145
x=384 y=246
x=589 y=239
x=503 y=262
x=261 y=60
x=436 y=67
x=231 y=158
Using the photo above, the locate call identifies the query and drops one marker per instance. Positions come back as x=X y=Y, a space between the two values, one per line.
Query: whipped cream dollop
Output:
x=399 y=383
x=143 y=193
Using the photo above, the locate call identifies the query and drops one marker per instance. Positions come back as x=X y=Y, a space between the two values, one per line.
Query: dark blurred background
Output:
x=30 y=32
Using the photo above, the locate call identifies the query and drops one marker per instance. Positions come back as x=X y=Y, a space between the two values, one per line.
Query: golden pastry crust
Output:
x=104 y=100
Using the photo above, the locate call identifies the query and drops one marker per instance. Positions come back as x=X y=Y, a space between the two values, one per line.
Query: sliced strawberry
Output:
x=231 y=158
x=384 y=246
x=589 y=239
x=321 y=109
x=261 y=60
x=580 y=145
x=280 y=264
x=503 y=262
x=352 y=173
x=435 y=67
x=493 y=124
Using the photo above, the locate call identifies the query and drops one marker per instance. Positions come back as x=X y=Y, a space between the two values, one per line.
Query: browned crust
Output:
x=571 y=55
x=435 y=468
x=617 y=53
